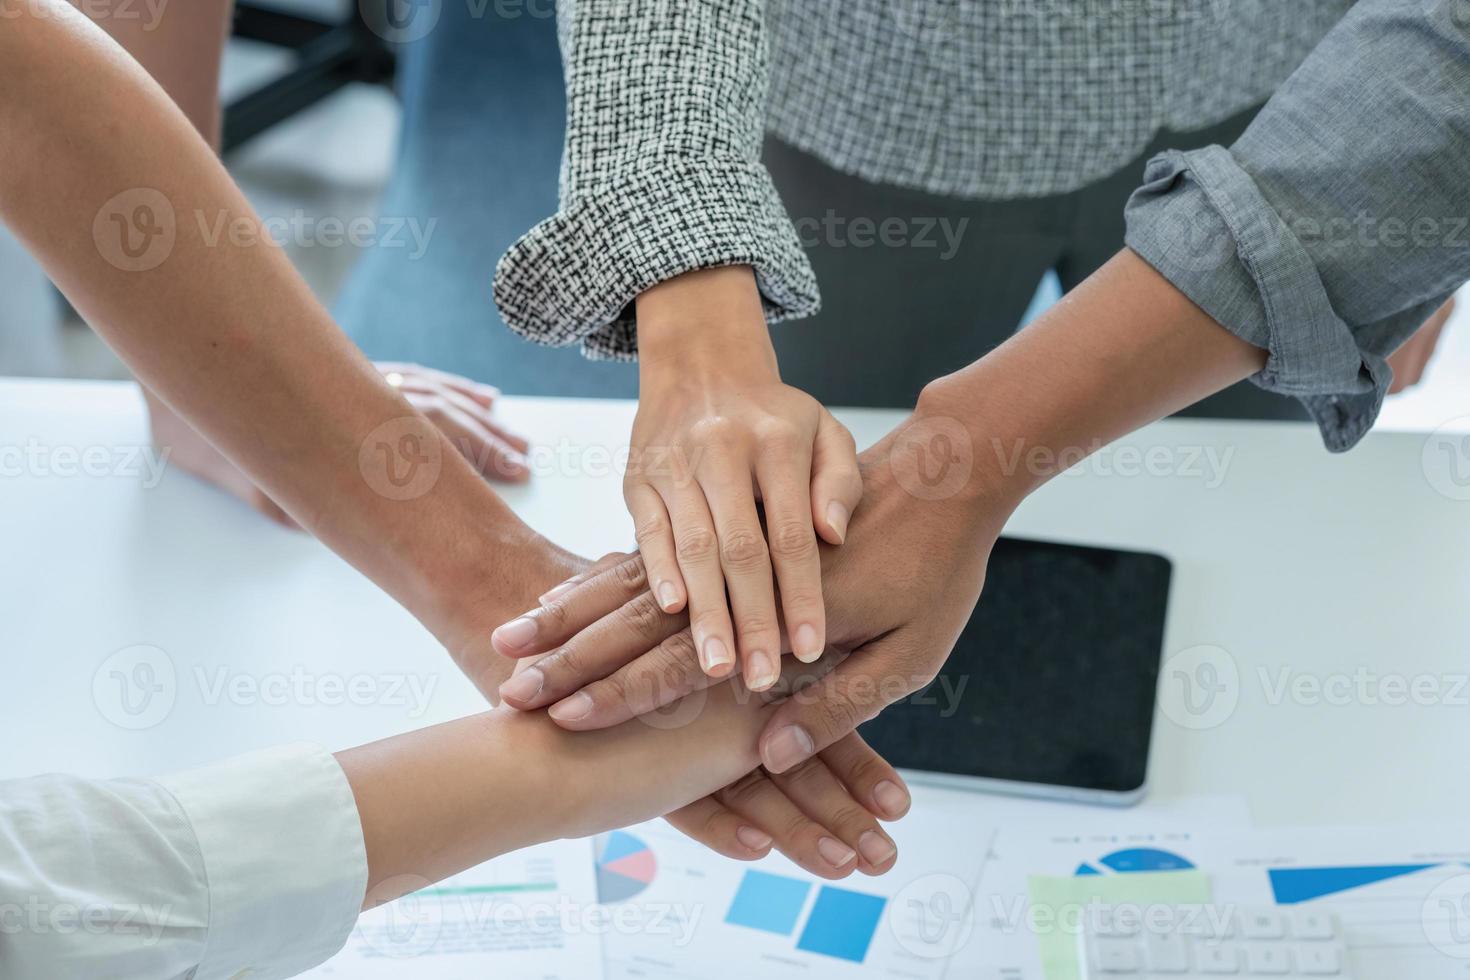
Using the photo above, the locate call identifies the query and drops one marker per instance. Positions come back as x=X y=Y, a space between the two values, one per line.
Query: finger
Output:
x=655 y=536
x=721 y=829
x=475 y=439
x=822 y=797
x=558 y=620
x=868 y=777
x=837 y=484
x=658 y=678
x=632 y=629
x=861 y=686
x=746 y=564
x=698 y=552
x=757 y=799
x=482 y=394
x=785 y=481
x=596 y=568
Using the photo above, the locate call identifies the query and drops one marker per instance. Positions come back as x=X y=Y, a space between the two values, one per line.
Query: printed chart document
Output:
x=530 y=915
x=680 y=911
x=1015 y=931
x=1403 y=894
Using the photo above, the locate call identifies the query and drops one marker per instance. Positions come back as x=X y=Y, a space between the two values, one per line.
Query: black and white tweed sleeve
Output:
x=661 y=173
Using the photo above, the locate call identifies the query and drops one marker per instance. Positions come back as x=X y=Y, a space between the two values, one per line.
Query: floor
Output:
x=335 y=159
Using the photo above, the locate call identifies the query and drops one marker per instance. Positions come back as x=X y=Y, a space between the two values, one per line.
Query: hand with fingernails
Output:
x=731 y=478
x=823 y=815
x=900 y=591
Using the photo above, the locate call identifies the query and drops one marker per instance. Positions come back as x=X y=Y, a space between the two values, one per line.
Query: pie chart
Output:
x=625 y=866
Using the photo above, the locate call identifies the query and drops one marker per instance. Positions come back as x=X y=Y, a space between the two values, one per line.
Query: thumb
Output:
x=812 y=719
x=837 y=485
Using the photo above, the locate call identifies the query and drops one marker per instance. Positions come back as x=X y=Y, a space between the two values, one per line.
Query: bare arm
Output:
x=109 y=185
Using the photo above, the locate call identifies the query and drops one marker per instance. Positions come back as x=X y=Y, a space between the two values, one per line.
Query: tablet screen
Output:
x=1053 y=679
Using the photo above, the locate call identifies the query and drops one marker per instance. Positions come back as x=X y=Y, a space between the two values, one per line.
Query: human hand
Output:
x=901 y=590
x=716 y=432
x=461 y=408
x=1410 y=360
x=812 y=815
x=821 y=817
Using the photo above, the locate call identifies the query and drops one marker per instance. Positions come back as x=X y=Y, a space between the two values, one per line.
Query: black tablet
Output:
x=1050 y=689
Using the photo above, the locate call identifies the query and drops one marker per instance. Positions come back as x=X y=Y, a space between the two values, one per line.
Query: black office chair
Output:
x=329 y=56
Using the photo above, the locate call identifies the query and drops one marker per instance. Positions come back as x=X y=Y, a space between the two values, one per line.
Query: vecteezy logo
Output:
x=135 y=231
x=401 y=927
x=1446 y=917
x=933 y=916
x=1446 y=459
x=1198 y=240
x=928 y=21
x=135 y=688
x=401 y=458
x=1460 y=14
x=401 y=21
x=932 y=458
x=1199 y=687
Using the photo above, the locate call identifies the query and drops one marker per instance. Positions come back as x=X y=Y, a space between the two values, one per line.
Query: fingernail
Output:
x=668 y=596
x=805 y=644
x=574 y=708
x=515 y=464
x=876 y=848
x=892 y=798
x=764 y=670
x=523 y=686
x=753 y=839
x=716 y=655
x=515 y=634
x=834 y=852
x=786 y=748
x=562 y=589
x=838 y=516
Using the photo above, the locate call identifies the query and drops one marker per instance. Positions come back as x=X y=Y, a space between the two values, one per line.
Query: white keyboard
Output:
x=1207 y=942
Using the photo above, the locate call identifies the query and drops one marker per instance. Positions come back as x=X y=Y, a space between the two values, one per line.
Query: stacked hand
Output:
x=717 y=432
x=823 y=816
x=899 y=592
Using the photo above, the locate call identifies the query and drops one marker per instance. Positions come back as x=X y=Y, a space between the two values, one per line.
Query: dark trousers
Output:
x=917 y=285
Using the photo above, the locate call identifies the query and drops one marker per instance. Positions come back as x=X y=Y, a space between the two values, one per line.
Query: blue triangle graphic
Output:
x=1293 y=885
x=619 y=844
x=1086 y=869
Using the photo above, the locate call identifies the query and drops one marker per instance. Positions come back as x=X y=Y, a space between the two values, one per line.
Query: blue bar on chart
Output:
x=842 y=923
x=771 y=903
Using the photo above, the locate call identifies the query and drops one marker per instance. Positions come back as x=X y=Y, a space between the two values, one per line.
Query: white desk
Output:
x=1297 y=561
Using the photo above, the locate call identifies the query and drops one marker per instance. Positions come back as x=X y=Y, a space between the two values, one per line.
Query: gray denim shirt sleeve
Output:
x=1338 y=223
x=661 y=173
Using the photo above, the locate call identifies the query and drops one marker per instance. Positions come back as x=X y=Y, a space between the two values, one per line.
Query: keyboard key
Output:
x=1311 y=924
x=1167 y=954
x=1269 y=961
x=1222 y=959
x=1117 y=956
x=1262 y=924
x=1319 y=961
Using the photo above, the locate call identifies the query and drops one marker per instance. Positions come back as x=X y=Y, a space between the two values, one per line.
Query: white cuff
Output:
x=283 y=856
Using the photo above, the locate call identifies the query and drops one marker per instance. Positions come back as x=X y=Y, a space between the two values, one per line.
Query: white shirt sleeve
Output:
x=254 y=867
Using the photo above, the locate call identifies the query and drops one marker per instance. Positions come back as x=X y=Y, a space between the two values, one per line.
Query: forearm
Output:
x=1123 y=349
x=661 y=176
x=226 y=333
x=443 y=799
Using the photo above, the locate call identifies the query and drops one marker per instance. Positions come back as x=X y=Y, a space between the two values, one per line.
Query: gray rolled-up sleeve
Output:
x=1338 y=222
x=661 y=173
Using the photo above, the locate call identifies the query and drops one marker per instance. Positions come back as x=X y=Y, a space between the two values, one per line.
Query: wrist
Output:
x=961 y=422
x=708 y=323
